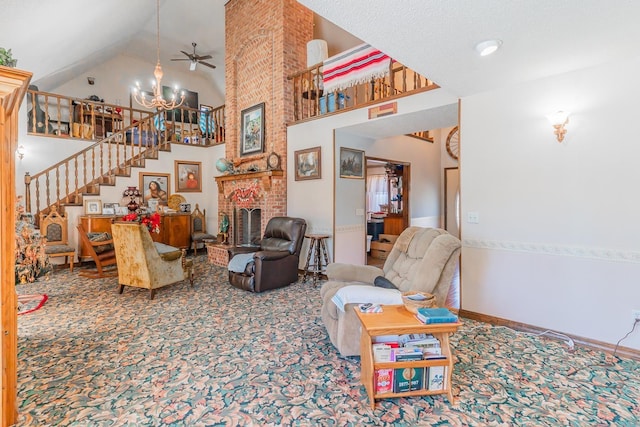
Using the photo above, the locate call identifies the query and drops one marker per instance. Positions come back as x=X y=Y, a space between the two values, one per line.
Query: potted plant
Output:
x=6 y=59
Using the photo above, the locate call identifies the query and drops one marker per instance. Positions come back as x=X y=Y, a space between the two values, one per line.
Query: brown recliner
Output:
x=275 y=263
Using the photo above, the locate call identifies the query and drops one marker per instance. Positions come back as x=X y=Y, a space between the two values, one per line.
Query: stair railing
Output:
x=65 y=182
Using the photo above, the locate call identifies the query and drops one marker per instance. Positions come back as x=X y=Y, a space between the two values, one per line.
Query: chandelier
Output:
x=157 y=101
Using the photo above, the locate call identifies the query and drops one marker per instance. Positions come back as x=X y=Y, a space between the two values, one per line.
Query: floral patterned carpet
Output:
x=217 y=355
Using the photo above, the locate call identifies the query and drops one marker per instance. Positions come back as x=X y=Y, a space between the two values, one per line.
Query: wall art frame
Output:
x=351 y=163
x=252 y=130
x=308 y=164
x=188 y=176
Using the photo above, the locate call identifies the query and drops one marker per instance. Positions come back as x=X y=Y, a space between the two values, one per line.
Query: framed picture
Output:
x=252 y=130
x=188 y=176
x=92 y=207
x=351 y=163
x=185 y=207
x=308 y=164
x=155 y=186
x=179 y=114
x=152 y=205
x=109 y=208
x=122 y=210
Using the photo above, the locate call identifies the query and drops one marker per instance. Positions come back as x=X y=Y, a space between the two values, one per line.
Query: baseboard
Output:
x=584 y=342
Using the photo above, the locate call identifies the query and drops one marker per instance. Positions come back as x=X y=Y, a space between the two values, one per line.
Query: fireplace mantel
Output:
x=264 y=176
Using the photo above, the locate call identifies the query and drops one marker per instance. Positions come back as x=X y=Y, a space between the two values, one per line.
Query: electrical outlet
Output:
x=635 y=314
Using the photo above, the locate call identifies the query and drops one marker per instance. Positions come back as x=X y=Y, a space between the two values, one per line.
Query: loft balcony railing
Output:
x=310 y=101
x=60 y=116
x=126 y=138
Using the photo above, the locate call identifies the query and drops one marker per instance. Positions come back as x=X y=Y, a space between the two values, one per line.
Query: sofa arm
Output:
x=353 y=273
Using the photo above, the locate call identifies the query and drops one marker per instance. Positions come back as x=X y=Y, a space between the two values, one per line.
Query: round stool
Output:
x=317 y=250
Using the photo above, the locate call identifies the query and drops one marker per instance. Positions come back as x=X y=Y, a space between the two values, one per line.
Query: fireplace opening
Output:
x=247 y=226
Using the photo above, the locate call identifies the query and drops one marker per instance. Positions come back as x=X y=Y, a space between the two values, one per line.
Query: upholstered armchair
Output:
x=422 y=259
x=143 y=263
x=275 y=263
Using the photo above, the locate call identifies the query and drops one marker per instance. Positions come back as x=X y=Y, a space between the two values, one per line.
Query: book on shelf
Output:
x=384 y=380
x=436 y=315
x=407 y=339
x=382 y=353
x=407 y=379
x=435 y=378
x=404 y=354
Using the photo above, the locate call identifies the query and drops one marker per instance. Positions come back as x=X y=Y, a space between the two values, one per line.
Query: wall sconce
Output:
x=558 y=120
x=20 y=151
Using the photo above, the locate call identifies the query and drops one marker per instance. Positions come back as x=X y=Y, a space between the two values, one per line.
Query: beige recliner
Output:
x=142 y=263
x=422 y=259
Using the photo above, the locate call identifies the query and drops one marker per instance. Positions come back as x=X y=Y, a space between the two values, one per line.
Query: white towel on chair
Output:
x=239 y=262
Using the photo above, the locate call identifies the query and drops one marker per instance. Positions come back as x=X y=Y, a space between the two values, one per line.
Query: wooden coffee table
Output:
x=396 y=320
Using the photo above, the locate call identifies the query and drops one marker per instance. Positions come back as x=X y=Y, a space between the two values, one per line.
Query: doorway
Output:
x=387 y=205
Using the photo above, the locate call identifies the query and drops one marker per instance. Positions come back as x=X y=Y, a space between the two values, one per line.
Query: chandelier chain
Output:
x=157 y=102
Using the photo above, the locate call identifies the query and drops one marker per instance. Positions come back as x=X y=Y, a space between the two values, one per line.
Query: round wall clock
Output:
x=273 y=161
x=453 y=143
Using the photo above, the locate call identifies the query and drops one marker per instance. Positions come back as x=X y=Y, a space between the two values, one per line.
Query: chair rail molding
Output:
x=606 y=254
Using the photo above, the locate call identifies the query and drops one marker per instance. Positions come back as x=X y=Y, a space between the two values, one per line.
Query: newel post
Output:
x=27 y=192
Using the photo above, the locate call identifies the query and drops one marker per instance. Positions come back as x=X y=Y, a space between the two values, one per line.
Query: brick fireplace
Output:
x=265 y=42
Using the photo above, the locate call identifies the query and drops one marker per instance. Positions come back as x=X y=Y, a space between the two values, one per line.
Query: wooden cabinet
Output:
x=394 y=224
x=175 y=230
x=396 y=320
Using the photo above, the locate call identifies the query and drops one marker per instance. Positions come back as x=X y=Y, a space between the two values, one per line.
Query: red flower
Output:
x=152 y=222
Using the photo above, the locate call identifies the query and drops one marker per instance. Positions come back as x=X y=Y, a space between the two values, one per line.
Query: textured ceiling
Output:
x=541 y=38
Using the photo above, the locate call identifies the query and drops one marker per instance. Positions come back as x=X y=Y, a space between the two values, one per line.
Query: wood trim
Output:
x=265 y=176
x=524 y=327
x=13 y=86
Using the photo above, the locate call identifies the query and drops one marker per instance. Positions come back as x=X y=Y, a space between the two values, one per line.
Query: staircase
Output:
x=132 y=136
x=83 y=173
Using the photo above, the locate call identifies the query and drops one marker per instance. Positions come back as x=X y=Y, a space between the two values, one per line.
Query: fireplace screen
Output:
x=247 y=226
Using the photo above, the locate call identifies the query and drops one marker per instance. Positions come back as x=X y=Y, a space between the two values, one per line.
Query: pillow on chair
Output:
x=383 y=282
x=100 y=237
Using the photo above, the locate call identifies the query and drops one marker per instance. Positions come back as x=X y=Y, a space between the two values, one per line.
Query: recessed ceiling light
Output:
x=487 y=47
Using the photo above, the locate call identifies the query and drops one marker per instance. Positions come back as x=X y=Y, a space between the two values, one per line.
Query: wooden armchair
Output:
x=199 y=228
x=54 y=228
x=100 y=247
x=143 y=263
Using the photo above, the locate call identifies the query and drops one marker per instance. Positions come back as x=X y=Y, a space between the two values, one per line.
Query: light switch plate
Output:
x=473 y=217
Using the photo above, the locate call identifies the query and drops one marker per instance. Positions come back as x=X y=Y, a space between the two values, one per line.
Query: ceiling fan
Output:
x=195 y=58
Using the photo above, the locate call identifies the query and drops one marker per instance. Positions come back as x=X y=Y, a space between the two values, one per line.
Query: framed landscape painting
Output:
x=351 y=163
x=252 y=130
x=308 y=164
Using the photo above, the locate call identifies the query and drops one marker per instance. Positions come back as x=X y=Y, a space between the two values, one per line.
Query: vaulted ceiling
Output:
x=58 y=40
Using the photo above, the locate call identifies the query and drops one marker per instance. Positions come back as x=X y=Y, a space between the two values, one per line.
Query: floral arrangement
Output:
x=31 y=260
x=151 y=221
x=244 y=197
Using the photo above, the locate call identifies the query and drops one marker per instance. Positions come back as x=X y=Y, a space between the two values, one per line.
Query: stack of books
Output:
x=436 y=315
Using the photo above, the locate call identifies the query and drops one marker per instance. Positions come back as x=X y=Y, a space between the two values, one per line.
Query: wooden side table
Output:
x=317 y=251
x=396 y=320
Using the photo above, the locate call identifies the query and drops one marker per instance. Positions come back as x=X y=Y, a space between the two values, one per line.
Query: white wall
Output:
x=557 y=242
x=115 y=78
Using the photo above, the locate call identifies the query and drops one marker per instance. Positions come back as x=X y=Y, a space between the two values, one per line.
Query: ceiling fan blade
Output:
x=202 y=57
x=207 y=64
x=180 y=59
x=186 y=53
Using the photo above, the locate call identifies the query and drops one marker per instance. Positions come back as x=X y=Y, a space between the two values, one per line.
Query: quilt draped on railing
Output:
x=357 y=65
